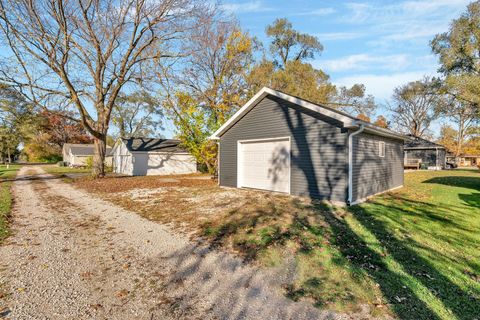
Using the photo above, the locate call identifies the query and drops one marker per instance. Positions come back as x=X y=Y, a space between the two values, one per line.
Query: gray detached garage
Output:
x=282 y=143
x=430 y=154
x=147 y=156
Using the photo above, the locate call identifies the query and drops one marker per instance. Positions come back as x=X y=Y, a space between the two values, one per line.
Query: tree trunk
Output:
x=9 y=158
x=460 y=138
x=99 y=157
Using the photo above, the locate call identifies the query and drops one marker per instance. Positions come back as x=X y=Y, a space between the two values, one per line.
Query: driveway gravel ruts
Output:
x=75 y=256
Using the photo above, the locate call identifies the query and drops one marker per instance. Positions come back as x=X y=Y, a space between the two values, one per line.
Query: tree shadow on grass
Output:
x=401 y=298
x=473 y=183
x=457 y=181
x=440 y=214
x=463 y=304
x=472 y=199
x=324 y=224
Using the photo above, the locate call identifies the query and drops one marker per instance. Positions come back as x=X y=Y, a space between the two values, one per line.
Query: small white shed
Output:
x=76 y=155
x=149 y=157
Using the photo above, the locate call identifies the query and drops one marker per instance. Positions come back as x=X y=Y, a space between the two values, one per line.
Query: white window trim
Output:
x=381 y=149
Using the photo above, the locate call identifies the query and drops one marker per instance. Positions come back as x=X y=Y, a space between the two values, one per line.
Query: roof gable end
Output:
x=334 y=114
x=421 y=143
x=347 y=120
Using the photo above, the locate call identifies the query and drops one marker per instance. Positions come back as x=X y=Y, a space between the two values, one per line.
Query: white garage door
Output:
x=264 y=164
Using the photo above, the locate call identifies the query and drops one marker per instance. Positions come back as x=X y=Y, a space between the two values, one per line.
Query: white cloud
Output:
x=381 y=86
x=322 y=11
x=336 y=36
x=359 y=62
x=403 y=20
x=422 y=7
x=245 y=7
x=317 y=12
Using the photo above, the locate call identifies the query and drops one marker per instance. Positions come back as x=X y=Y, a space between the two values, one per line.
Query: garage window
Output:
x=381 y=149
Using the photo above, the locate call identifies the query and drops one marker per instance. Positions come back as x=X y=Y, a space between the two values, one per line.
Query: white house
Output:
x=76 y=155
x=148 y=157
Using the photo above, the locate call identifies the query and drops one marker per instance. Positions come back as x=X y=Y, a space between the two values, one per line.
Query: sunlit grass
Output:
x=56 y=170
x=5 y=197
x=429 y=232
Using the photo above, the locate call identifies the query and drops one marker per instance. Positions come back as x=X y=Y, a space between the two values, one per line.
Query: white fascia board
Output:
x=115 y=146
x=423 y=148
x=267 y=91
x=249 y=105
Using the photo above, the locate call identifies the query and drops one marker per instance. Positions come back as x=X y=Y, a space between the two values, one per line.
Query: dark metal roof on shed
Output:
x=420 y=143
x=153 y=145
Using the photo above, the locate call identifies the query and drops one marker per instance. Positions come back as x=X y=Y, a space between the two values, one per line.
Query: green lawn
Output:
x=414 y=253
x=5 y=197
x=422 y=245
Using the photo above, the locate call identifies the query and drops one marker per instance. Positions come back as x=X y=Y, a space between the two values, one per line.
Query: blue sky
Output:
x=381 y=44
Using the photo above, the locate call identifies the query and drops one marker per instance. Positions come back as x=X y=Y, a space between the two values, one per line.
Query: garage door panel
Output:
x=265 y=165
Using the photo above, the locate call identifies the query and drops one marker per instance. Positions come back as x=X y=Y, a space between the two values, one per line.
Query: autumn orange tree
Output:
x=83 y=53
x=49 y=132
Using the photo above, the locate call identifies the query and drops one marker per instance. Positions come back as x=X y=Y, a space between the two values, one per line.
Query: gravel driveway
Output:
x=74 y=256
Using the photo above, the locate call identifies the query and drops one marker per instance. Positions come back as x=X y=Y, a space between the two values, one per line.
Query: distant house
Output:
x=147 y=156
x=429 y=154
x=76 y=155
x=467 y=160
x=282 y=143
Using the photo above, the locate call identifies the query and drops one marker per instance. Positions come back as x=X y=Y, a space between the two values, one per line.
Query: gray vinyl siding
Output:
x=428 y=156
x=318 y=147
x=371 y=173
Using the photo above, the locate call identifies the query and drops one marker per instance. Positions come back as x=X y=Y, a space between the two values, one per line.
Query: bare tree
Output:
x=138 y=114
x=85 y=52
x=415 y=106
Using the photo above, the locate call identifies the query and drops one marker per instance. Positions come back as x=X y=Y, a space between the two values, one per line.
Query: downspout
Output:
x=218 y=163
x=350 y=163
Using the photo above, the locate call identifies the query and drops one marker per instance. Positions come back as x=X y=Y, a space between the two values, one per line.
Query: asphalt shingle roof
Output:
x=420 y=143
x=151 y=144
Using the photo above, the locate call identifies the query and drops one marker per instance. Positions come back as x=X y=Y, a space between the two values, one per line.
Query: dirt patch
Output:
x=122 y=184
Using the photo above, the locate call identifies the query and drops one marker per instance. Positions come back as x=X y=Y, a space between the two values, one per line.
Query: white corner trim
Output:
x=347 y=120
x=115 y=146
x=350 y=163
x=373 y=195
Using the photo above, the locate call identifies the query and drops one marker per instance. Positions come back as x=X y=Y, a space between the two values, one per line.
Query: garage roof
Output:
x=420 y=143
x=347 y=120
x=153 y=145
x=84 y=149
